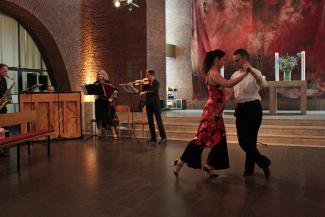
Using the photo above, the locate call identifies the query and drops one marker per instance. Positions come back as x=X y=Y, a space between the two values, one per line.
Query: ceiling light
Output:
x=117 y=3
x=129 y=3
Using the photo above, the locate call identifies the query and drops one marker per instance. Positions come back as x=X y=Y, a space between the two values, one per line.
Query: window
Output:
x=20 y=53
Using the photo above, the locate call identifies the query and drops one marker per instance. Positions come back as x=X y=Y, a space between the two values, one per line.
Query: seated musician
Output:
x=104 y=106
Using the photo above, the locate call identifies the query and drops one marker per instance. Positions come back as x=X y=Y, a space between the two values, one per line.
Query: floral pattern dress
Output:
x=212 y=128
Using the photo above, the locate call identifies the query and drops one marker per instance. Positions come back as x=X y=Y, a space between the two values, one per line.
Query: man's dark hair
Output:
x=242 y=52
x=151 y=72
x=3 y=65
x=209 y=59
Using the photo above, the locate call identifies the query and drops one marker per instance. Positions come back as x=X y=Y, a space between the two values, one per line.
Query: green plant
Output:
x=287 y=63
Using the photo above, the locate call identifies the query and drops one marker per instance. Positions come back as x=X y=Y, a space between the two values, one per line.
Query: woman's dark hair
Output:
x=209 y=59
x=242 y=52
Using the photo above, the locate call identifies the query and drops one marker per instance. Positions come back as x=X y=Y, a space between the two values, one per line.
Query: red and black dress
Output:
x=211 y=133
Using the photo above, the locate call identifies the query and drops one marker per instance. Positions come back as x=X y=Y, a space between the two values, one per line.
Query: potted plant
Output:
x=287 y=64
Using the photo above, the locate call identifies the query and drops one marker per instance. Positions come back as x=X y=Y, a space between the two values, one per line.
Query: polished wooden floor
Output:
x=106 y=178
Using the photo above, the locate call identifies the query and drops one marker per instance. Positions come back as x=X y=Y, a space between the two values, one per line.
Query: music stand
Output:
x=93 y=89
x=32 y=88
x=129 y=88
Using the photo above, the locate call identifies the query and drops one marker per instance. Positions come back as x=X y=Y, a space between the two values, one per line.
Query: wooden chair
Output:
x=124 y=119
x=142 y=122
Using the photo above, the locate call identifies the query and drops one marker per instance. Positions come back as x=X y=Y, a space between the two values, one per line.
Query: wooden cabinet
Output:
x=61 y=110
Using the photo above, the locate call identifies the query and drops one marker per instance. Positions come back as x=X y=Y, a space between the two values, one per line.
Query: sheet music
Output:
x=84 y=89
x=93 y=89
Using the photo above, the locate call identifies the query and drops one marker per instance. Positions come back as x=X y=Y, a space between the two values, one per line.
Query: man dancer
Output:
x=249 y=113
x=152 y=102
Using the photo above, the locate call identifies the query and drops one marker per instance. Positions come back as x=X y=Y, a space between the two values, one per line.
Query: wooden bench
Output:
x=23 y=118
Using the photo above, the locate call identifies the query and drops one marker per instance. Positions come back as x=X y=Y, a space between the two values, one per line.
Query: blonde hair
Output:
x=105 y=75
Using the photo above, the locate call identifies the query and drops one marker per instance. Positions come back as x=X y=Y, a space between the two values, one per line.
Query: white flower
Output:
x=287 y=63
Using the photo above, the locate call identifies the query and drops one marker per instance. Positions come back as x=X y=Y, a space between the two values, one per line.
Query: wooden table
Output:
x=296 y=83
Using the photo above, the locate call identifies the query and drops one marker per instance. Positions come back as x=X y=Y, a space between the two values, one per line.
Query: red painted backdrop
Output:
x=263 y=27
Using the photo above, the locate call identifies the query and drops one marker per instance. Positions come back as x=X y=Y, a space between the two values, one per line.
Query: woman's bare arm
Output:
x=218 y=79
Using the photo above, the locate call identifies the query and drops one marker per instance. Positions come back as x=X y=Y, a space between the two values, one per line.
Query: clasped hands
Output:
x=247 y=67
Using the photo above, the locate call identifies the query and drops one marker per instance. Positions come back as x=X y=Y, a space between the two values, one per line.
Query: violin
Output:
x=142 y=81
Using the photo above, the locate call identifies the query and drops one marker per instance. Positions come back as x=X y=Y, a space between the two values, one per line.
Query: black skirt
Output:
x=104 y=113
x=217 y=158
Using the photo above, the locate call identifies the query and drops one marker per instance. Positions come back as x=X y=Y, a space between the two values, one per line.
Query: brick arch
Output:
x=44 y=41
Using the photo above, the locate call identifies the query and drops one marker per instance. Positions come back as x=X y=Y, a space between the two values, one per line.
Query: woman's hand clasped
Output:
x=247 y=67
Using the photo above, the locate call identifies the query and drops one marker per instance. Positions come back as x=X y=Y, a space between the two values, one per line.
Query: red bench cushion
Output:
x=24 y=136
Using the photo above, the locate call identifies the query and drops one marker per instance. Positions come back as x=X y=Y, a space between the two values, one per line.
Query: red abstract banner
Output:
x=263 y=27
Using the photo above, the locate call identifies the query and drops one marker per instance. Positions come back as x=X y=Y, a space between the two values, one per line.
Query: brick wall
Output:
x=50 y=25
x=156 y=41
x=92 y=34
x=113 y=39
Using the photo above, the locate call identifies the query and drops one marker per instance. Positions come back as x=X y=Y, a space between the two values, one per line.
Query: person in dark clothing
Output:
x=152 y=103
x=104 y=109
x=3 y=84
x=3 y=88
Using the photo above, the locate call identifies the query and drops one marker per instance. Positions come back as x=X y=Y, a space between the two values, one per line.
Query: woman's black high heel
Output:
x=175 y=164
x=208 y=173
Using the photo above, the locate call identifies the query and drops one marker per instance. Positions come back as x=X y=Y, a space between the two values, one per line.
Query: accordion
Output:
x=108 y=90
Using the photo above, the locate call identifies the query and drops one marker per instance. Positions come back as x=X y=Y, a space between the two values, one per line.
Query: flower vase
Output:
x=287 y=75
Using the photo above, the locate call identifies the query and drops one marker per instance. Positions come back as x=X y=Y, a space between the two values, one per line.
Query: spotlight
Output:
x=117 y=3
x=129 y=3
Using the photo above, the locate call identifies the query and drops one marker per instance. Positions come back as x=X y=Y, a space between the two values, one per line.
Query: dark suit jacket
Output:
x=152 y=96
x=3 y=88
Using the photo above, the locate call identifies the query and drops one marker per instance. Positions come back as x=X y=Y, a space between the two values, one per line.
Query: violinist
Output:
x=150 y=90
x=104 y=108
